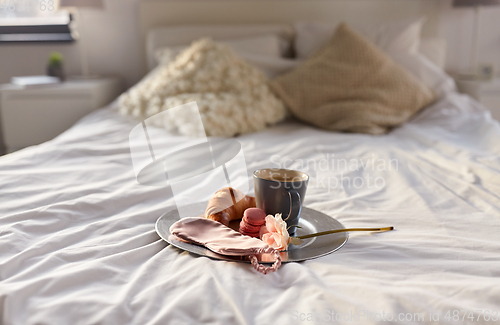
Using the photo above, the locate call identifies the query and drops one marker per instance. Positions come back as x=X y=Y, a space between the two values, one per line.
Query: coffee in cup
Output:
x=281 y=191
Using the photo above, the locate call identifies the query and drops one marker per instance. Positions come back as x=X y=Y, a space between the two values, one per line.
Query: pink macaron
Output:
x=253 y=220
x=254 y=216
x=246 y=227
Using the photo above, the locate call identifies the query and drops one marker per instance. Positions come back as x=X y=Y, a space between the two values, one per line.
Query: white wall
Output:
x=114 y=46
x=458 y=26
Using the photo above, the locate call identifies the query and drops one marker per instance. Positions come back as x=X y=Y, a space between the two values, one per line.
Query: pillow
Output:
x=232 y=96
x=426 y=72
x=434 y=48
x=401 y=35
x=350 y=85
x=399 y=39
x=270 y=66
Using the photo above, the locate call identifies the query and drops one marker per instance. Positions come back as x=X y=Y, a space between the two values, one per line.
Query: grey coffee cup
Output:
x=281 y=191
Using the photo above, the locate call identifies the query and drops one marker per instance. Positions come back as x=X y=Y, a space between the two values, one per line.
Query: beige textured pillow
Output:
x=351 y=85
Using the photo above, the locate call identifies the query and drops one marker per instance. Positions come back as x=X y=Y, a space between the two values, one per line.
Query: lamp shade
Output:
x=82 y=3
x=472 y=3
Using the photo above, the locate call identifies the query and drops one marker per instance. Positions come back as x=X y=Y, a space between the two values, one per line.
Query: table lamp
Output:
x=476 y=4
x=76 y=4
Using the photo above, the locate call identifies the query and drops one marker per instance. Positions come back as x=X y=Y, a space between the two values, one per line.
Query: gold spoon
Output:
x=299 y=240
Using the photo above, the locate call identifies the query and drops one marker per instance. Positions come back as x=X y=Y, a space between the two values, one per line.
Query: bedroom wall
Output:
x=457 y=27
x=113 y=46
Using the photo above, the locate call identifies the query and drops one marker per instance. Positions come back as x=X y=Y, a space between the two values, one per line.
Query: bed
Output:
x=78 y=244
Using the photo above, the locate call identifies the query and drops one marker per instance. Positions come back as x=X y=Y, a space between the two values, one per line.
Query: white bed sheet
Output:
x=78 y=246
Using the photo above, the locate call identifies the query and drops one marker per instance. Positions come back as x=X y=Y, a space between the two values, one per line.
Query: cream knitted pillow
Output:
x=350 y=85
x=232 y=96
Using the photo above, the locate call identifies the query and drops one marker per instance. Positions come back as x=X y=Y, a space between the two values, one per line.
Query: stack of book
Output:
x=34 y=81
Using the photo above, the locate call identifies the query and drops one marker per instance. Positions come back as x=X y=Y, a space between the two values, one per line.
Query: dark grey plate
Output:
x=311 y=221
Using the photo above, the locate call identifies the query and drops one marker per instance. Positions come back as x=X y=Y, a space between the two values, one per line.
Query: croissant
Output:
x=228 y=204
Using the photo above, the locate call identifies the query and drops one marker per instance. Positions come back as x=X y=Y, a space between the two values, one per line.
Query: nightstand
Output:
x=31 y=116
x=485 y=92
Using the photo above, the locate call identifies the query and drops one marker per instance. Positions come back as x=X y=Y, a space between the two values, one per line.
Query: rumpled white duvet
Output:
x=78 y=245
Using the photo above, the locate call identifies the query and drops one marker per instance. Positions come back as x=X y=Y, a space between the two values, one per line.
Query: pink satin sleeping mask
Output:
x=223 y=240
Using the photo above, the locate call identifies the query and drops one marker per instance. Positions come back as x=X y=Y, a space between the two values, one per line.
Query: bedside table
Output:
x=485 y=92
x=31 y=116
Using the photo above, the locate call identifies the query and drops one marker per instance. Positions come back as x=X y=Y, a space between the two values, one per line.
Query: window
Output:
x=33 y=21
